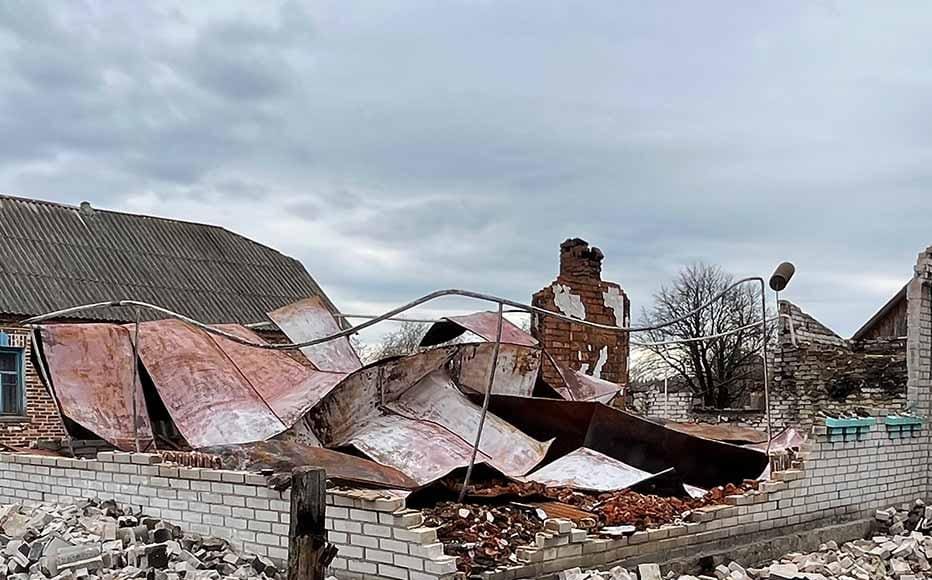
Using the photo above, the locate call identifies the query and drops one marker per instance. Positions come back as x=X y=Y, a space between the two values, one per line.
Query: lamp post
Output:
x=778 y=281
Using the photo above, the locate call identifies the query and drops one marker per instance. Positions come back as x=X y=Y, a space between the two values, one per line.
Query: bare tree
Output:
x=719 y=370
x=404 y=340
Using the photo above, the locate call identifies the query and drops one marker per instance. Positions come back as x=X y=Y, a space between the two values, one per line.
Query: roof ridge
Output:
x=114 y=211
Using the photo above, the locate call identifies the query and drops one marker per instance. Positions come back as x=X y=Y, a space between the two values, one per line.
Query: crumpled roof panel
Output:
x=589 y=469
x=309 y=319
x=208 y=397
x=483 y=324
x=515 y=374
x=289 y=387
x=436 y=400
x=91 y=369
x=422 y=450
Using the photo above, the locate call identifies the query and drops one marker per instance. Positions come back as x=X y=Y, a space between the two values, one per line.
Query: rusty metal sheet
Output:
x=359 y=397
x=289 y=387
x=436 y=400
x=579 y=386
x=515 y=374
x=423 y=451
x=284 y=456
x=310 y=319
x=209 y=399
x=483 y=324
x=407 y=413
x=590 y=470
x=720 y=432
x=653 y=448
x=91 y=369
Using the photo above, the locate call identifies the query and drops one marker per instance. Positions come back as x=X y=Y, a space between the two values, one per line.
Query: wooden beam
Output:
x=309 y=554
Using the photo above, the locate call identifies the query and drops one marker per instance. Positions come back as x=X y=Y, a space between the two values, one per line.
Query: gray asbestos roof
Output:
x=54 y=256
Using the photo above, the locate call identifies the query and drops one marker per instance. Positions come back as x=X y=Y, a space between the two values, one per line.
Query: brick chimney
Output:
x=579 y=291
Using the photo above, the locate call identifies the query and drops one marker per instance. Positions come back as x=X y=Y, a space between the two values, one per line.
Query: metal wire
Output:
x=386 y=316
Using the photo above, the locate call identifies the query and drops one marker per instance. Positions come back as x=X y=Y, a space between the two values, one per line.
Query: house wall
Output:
x=919 y=343
x=813 y=370
x=579 y=291
x=41 y=419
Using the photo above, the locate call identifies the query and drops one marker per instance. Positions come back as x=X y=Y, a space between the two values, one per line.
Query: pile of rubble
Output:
x=484 y=536
x=100 y=541
x=901 y=550
x=487 y=536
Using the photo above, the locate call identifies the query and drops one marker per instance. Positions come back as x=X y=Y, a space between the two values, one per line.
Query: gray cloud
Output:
x=401 y=147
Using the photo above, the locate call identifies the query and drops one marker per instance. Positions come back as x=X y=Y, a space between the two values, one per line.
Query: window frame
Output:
x=20 y=373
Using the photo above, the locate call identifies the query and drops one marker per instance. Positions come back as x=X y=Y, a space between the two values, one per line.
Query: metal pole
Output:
x=763 y=307
x=134 y=390
x=485 y=403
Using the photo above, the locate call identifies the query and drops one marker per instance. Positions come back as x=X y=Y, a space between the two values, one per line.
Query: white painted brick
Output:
x=374 y=555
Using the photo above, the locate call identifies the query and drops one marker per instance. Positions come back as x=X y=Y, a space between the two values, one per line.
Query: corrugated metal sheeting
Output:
x=416 y=416
x=55 y=256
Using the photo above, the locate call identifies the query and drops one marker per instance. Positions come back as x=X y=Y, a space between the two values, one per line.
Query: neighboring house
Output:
x=55 y=256
x=889 y=321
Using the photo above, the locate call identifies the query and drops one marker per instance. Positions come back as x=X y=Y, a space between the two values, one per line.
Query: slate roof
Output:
x=54 y=256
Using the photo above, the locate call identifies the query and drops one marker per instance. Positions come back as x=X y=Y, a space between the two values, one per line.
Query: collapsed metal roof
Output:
x=417 y=416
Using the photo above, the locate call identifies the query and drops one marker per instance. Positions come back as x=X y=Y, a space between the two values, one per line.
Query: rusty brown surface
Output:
x=515 y=374
x=358 y=397
x=483 y=324
x=579 y=386
x=284 y=456
x=421 y=450
x=310 y=319
x=91 y=369
x=208 y=397
x=408 y=413
x=436 y=400
x=653 y=448
x=720 y=432
x=289 y=387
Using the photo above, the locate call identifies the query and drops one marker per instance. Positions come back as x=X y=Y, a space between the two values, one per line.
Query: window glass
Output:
x=8 y=361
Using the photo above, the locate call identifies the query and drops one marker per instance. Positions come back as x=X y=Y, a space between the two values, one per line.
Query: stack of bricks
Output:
x=580 y=292
x=41 y=419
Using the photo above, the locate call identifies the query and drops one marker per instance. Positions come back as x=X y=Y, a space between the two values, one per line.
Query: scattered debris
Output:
x=483 y=536
x=93 y=540
x=902 y=553
x=487 y=536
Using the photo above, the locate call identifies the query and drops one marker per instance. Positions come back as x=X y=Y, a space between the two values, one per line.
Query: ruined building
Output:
x=580 y=292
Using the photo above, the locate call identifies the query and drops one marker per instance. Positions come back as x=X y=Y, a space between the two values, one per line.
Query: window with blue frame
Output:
x=12 y=381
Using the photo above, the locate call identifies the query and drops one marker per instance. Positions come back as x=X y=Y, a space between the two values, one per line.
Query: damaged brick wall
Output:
x=813 y=370
x=919 y=341
x=40 y=419
x=579 y=291
x=823 y=372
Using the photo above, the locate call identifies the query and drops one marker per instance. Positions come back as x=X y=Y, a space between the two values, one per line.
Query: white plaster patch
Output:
x=616 y=301
x=600 y=362
x=568 y=303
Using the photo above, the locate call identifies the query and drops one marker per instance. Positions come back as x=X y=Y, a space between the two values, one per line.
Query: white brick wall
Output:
x=376 y=536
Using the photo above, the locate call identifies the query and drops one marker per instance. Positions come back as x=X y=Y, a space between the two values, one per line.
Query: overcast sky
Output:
x=400 y=147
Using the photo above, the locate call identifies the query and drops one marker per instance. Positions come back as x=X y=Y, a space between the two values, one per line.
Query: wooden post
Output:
x=309 y=554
